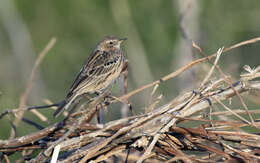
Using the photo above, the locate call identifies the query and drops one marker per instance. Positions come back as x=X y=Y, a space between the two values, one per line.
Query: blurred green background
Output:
x=155 y=45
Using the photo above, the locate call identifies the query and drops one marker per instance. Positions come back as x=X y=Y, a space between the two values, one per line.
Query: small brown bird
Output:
x=100 y=70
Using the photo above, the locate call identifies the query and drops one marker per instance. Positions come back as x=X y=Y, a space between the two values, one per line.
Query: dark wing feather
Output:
x=80 y=77
x=93 y=63
x=99 y=70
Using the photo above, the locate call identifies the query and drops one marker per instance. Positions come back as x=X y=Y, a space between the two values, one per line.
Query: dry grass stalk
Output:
x=24 y=96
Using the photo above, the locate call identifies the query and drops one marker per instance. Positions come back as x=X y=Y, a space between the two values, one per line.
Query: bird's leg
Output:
x=100 y=107
x=123 y=87
x=100 y=114
x=127 y=103
x=99 y=110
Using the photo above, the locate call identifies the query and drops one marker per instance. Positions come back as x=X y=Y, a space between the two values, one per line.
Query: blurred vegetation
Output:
x=78 y=25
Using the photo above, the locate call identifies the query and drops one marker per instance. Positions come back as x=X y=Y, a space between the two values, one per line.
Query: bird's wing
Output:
x=97 y=65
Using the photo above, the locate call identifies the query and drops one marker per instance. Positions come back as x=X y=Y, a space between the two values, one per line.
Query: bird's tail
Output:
x=65 y=104
x=60 y=108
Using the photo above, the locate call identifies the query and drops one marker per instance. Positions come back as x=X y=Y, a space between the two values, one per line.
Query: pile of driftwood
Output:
x=156 y=135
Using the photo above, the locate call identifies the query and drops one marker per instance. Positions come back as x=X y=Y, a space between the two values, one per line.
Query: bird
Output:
x=99 y=71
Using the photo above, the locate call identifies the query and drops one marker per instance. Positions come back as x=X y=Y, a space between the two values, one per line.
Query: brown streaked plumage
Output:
x=102 y=67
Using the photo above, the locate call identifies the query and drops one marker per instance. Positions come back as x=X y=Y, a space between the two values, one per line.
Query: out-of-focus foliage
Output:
x=79 y=25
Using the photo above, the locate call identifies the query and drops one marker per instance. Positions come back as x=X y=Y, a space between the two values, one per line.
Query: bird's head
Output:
x=110 y=43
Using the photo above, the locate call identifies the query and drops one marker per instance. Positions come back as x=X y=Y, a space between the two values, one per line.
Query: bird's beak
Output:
x=122 y=40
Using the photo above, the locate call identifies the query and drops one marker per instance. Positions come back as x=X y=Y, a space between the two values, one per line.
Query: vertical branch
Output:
x=123 y=88
x=188 y=26
x=24 y=96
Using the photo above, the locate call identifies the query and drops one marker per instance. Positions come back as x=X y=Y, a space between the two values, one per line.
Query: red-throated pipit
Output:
x=100 y=70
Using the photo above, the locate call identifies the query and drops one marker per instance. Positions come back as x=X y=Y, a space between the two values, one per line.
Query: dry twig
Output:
x=24 y=96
